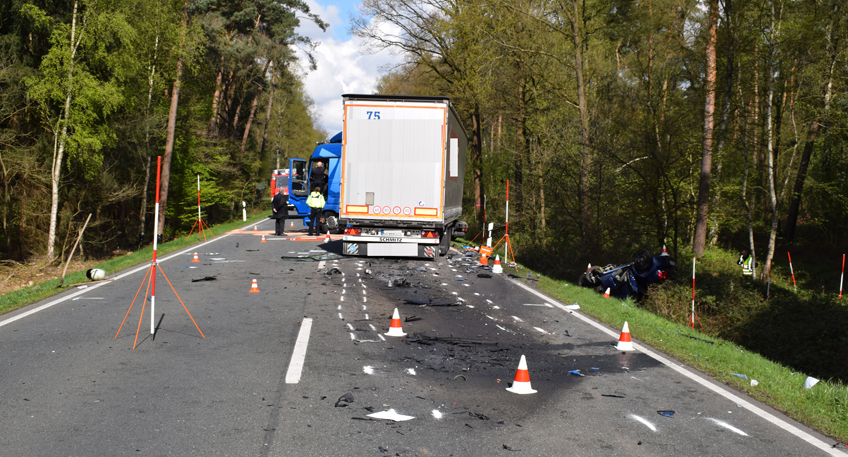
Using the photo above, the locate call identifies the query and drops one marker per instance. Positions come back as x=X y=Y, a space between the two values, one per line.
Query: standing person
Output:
x=747 y=263
x=318 y=177
x=316 y=203
x=280 y=207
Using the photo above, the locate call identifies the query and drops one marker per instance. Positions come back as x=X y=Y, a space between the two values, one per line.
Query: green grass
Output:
x=22 y=297
x=824 y=407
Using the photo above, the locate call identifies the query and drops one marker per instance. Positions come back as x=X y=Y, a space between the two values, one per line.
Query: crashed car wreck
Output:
x=632 y=279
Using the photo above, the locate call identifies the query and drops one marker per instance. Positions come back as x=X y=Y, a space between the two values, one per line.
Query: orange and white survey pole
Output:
x=692 y=316
x=506 y=235
x=792 y=271
x=155 y=246
x=841 y=276
x=198 y=202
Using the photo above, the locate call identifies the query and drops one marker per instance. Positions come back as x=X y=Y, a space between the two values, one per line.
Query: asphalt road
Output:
x=68 y=387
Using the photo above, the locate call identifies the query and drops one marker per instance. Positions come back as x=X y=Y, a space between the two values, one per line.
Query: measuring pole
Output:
x=841 y=276
x=506 y=243
x=155 y=246
x=692 y=317
x=793 y=272
x=200 y=228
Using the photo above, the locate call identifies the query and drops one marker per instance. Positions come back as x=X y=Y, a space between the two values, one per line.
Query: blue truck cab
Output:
x=300 y=183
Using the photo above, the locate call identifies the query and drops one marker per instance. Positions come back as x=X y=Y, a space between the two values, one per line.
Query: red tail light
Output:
x=429 y=234
x=352 y=231
x=661 y=274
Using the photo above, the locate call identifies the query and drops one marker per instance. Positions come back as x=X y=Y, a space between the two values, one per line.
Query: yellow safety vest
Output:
x=746 y=265
x=315 y=200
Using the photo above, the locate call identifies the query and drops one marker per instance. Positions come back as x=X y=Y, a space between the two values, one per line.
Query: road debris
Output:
x=666 y=413
x=738 y=375
x=205 y=278
x=392 y=415
x=344 y=400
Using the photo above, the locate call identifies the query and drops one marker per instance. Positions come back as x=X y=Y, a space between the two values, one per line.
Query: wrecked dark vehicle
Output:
x=632 y=279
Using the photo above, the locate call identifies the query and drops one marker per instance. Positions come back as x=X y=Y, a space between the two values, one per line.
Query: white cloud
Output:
x=343 y=67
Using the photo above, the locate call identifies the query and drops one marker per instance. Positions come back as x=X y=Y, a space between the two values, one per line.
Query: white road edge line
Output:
x=674 y=366
x=95 y=286
x=299 y=353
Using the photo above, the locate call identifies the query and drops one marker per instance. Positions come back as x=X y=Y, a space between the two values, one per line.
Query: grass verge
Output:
x=13 y=300
x=824 y=407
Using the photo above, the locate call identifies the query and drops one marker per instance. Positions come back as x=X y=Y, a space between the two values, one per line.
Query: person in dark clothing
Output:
x=280 y=207
x=318 y=177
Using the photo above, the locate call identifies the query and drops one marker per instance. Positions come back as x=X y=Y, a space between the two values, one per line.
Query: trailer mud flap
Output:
x=353 y=249
x=427 y=251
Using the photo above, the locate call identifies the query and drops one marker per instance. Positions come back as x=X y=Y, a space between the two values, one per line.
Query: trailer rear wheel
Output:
x=332 y=221
x=444 y=242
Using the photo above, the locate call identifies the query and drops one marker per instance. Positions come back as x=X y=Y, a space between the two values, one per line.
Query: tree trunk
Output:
x=171 y=132
x=267 y=118
x=253 y=107
x=725 y=115
x=586 y=158
x=477 y=161
x=707 y=157
x=772 y=195
x=216 y=98
x=59 y=142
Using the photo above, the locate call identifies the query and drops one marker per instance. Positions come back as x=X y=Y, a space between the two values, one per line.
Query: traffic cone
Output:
x=395 y=328
x=484 y=260
x=664 y=253
x=607 y=293
x=327 y=238
x=255 y=229
x=291 y=225
x=195 y=259
x=254 y=288
x=521 y=385
x=624 y=343
x=497 y=268
x=589 y=267
x=263 y=239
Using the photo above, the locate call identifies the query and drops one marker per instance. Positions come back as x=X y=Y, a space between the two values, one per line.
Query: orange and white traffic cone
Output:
x=254 y=288
x=255 y=229
x=263 y=239
x=327 y=238
x=195 y=259
x=589 y=267
x=395 y=328
x=521 y=384
x=291 y=225
x=497 y=268
x=607 y=293
x=624 y=343
x=664 y=253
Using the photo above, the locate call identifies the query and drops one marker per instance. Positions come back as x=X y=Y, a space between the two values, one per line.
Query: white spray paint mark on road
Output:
x=436 y=414
x=350 y=326
x=518 y=319
x=411 y=371
x=728 y=426
x=539 y=329
x=368 y=369
x=643 y=421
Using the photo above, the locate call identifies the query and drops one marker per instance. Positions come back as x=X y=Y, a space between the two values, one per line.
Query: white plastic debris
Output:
x=391 y=415
x=754 y=383
x=810 y=382
x=574 y=306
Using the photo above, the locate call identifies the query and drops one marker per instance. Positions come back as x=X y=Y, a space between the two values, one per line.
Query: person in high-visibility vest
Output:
x=316 y=203
x=747 y=263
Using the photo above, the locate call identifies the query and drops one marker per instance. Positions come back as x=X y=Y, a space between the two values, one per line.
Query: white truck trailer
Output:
x=403 y=160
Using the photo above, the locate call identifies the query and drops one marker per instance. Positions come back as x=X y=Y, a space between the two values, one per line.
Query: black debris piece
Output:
x=510 y=449
x=482 y=417
x=333 y=271
x=513 y=276
x=344 y=400
x=370 y=409
x=612 y=395
x=236 y=245
x=205 y=278
x=252 y=273
x=415 y=301
x=666 y=413
x=251 y=250
x=484 y=275
x=323 y=397
x=382 y=449
x=412 y=319
x=428 y=340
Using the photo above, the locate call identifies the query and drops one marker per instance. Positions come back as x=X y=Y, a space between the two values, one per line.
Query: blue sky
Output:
x=342 y=66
